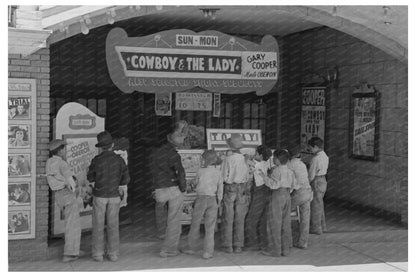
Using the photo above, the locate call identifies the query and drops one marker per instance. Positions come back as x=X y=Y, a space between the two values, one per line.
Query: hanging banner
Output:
x=193 y=101
x=177 y=60
x=163 y=104
x=313 y=115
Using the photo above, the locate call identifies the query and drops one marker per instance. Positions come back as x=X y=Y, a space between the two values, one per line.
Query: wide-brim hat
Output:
x=235 y=141
x=104 y=139
x=55 y=144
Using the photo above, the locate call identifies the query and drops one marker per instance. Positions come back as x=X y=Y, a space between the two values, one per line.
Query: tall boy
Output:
x=236 y=196
x=260 y=199
x=110 y=174
x=61 y=182
x=317 y=171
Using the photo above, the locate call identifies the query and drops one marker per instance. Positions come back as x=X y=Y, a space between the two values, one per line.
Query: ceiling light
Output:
x=84 y=29
x=211 y=13
x=159 y=8
x=111 y=14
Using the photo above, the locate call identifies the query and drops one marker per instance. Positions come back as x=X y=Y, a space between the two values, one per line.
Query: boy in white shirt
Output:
x=301 y=196
x=281 y=181
x=260 y=198
x=317 y=171
x=209 y=191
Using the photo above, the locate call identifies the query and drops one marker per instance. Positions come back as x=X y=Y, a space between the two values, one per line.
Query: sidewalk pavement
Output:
x=344 y=252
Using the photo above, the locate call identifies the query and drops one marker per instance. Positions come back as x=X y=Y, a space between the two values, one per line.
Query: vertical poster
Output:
x=163 y=104
x=79 y=127
x=364 y=108
x=21 y=158
x=216 y=110
x=312 y=115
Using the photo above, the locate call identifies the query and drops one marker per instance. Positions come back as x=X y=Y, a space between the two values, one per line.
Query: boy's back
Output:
x=108 y=171
x=208 y=180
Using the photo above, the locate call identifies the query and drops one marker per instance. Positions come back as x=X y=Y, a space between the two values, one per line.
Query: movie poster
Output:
x=163 y=104
x=364 y=126
x=216 y=110
x=313 y=115
x=19 y=107
x=19 y=194
x=19 y=136
x=19 y=222
x=19 y=165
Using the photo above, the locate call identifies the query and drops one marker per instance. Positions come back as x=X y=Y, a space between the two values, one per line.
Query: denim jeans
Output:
x=302 y=198
x=257 y=216
x=318 y=224
x=205 y=207
x=174 y=198
x=105 y=210
x=236 y=202
x=66 y=200
x=278 y=222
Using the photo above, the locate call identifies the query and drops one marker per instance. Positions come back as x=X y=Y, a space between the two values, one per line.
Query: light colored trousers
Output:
x=318 y=224
x=105 y=208
x=172 y=220
x=205 y=207
x=302 y=198
x=66 y=200
x=279 y=229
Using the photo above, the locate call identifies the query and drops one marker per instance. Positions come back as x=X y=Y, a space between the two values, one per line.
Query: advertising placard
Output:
x=177 y=60
x=193 y=101
x=217 y=139
x=313 y=115
x=163 y=104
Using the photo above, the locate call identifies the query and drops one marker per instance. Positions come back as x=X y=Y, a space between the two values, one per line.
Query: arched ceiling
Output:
x=367 y=23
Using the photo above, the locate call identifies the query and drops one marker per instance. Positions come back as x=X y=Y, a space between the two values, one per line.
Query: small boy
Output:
x=110 y=174
x=236 y=195
x=260 y=199
x=317 y=171
x=301 y=196
x=209 y=191
x=281 y=181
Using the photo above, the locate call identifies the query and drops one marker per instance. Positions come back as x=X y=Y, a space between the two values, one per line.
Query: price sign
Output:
x=187 y=101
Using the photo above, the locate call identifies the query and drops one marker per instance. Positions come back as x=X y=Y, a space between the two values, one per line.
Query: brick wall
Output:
x=381 y=184
x=35 y=66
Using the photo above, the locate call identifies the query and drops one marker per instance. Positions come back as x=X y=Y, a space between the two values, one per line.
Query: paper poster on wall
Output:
x=312 y=116
x=216 y=110
x=21 y=158
x=79 y=127
x=163 y=104
x=193 y=101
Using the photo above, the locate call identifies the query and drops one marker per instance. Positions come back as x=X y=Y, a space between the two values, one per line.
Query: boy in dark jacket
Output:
x=110 y=174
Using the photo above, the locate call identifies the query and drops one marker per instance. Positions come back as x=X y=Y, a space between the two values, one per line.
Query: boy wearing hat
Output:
x=236 y=195
x=110 y=174
x=301 y=196
x=169 y=183
x=317 y=171
x=209 y=194
x=61 y=182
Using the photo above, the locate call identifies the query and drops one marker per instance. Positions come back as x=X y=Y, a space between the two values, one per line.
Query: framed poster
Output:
x=312 y=115
x=19 y=107
x=364 y=126
x=216 y=109
x=21 y=158
x=193 y=101
x=19 y=193
x=19 y=136
x=163 y=104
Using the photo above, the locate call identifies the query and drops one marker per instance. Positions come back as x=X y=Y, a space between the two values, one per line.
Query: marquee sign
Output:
x=178 y=60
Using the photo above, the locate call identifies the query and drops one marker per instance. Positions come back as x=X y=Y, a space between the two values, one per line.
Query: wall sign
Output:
x=79 y=127
x=217 y=138
x=193 y=101
x=312 y=115
x=21 y=158
x=364 y=125
x=177 y=60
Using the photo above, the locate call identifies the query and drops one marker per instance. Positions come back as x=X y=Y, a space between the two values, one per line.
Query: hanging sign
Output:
x=163 y=104
x=182 y=59
x=313 y=115
x=193 y=101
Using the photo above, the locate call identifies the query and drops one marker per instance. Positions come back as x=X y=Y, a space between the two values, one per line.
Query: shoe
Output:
x=67 y=258
x=113 y=258
x=189 y=252
x=228 y=250
x=267 y=253
x=207 y=256
x=301 y=246
x=98 y=258
x=315 y=232
x=238 y=250
x=81 y=253
x=165 y=254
